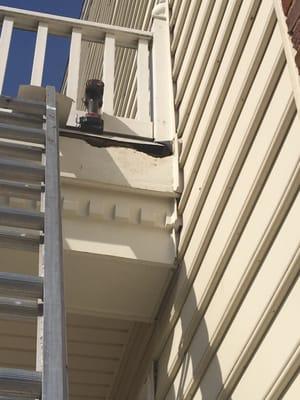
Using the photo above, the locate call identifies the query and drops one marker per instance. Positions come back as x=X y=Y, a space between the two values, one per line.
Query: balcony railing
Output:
x=153 y=66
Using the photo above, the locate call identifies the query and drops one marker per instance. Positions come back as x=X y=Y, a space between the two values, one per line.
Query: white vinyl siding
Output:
x=235 y=291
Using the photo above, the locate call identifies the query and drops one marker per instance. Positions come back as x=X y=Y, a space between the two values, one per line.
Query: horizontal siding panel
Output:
x=228 y=328
x=181 y=19
x=232 y=162
x=292 y=392
x=253 y=106
x=191 y=37
x=258 y=296
x=96 y=336
x=223 y=59
x=89 y=391
x=189 y=79
x=272 y=353
x=241 y=62
x=261 y=293
x=248 y=122
x=90 y=377
x=243 y=134
x=284 y=166
x=96 y=350
x=175 y=11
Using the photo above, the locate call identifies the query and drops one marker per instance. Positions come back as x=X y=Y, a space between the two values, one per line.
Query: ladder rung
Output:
x=25 y=171
x=20 y=383
x=22 y=105
x=21 y=286
x=20 y=190
x=20 y=218
x=15 y=398
x=18 y=150
x=34 y=121
x=19 y=240
x=20 y=308
x=16 y=132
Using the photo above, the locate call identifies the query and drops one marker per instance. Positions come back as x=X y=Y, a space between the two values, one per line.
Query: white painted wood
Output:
x=143 y=81
x=109 y=73
x=163 y=97
x=39 y=55
x=74 y=65
x=6 y=34
x=62 y=26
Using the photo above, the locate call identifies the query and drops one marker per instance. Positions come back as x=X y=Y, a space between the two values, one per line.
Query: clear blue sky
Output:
x=22 y=46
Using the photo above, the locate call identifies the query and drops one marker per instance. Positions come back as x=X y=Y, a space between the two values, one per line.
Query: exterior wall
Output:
x=228 y=327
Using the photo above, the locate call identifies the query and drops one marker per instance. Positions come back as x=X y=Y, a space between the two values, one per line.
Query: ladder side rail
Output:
x=54 y=341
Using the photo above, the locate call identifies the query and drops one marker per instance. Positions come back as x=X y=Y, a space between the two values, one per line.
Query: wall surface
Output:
x=228 y=328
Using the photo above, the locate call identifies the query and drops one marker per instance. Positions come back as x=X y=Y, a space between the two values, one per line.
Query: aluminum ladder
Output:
x=29 y=169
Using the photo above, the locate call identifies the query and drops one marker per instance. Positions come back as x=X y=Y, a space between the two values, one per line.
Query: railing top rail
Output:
x=63 y=26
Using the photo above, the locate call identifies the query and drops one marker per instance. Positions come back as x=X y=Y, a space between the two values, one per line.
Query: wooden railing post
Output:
x=163 y=98
x=143 y=81
x=109 y=73
x=74 y=67
x=5 y=39
x=39 y=55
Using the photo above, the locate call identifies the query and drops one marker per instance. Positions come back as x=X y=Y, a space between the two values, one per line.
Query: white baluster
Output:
x=7 y=29
x=143 y=81
x=74 y=65
x=109 y=73
x=39 y=55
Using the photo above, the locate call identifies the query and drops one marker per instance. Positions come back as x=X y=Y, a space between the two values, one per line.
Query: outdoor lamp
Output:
x=93 y=100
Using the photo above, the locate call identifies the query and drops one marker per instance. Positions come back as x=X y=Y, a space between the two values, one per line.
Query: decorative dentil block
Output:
x=121 y=212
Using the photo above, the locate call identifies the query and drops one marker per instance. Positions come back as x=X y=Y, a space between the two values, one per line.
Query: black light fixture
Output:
x=93 y=100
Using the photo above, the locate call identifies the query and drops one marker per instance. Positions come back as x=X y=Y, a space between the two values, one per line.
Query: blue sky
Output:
x=22 y=46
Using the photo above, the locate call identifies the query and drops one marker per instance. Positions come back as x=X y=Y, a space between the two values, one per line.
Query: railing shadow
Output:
x=211 y=380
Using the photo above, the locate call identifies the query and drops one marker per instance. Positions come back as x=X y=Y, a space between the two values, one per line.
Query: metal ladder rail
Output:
x=50 y=380
x=54 y=335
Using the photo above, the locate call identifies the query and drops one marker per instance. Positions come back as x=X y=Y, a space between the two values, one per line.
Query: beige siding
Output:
x=228 y=327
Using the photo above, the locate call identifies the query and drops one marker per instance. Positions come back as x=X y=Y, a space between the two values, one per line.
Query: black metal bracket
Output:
x=152 y=148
